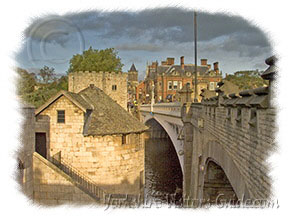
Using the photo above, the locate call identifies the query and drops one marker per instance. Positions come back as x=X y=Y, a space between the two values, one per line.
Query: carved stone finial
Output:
x=269 y=74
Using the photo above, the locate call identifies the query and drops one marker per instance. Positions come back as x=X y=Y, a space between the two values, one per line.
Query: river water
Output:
x=162 y=171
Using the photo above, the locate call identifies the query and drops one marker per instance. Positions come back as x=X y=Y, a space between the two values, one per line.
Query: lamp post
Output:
x=152 y=96
x=195 y=49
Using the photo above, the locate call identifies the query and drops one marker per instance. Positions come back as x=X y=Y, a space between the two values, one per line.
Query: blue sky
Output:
x=144 y=36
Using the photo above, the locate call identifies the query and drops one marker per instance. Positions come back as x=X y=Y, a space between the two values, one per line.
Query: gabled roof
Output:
x=103 y=115
x=133 y=68
x=73 y=97
x=107 y=116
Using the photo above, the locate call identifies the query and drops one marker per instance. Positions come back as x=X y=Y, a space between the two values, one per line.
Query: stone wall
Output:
x=114 y=166
x=54 y=187
x=78 y=81
x=25 y=153
x=237 y=137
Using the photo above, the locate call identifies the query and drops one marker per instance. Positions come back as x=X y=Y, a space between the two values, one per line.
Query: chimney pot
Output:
x=216 y=67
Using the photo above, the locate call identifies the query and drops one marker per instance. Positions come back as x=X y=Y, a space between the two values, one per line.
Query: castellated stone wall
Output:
x=106 y=81
x=241 y=148
x=114 y=166
x=53 y=187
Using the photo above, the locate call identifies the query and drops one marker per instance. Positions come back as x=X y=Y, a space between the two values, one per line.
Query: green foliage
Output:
x=247 y=79
x=26 y=81
x=47 y=75
x=38 y=92
x=96 y=60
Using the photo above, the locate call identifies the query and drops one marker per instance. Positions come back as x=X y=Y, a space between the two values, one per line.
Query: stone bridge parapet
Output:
x=235 y=131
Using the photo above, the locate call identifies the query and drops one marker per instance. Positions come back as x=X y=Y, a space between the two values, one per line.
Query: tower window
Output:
x=61 y=116
x=114 y=87
x=124 y=139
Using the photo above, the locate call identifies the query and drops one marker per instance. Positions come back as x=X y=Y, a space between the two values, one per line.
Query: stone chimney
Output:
x=182 y=62
x=216 y=67
x=203 y=62
x=170 y=61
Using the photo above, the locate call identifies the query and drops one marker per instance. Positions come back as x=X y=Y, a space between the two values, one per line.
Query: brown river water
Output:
x=162 y=171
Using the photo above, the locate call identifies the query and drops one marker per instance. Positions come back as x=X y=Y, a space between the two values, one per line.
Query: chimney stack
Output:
x=182 y=62
x=164 y=63
x=203 y=62
x=170 y=61
x=216 y=67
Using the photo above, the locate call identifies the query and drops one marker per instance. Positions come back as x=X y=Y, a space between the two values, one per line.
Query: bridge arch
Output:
x=172 y=133
x=215 y=156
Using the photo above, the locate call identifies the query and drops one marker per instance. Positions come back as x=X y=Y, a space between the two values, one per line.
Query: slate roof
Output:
x=103 y=115
x=133 y=68
x=203 y=70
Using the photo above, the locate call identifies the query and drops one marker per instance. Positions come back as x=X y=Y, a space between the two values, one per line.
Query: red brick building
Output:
x=168 y=78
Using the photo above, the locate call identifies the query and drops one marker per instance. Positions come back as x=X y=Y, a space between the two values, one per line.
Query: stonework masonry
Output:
x=112 y=83
x=25 y=154
x=114 y=166
x=239 y=148
x=54 y=187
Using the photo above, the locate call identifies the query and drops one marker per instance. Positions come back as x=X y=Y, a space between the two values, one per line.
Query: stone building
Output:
x=132 y=83
x=114 y=84
x=167 y=78
x=90 y=133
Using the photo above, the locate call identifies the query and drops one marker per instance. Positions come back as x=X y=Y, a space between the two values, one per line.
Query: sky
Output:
x=145 y=36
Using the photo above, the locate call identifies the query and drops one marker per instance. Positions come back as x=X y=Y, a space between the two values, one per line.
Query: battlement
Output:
x=258 y=98
x=114 y=84
x=84 y=73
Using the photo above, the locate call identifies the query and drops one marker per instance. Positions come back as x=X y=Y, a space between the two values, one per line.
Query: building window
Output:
x=188 y=84
x=211 y=86
x=180 y=85
x=175 y=85
x=124 y=139
x=61 y=116
x=114 y=87
x=170 y=85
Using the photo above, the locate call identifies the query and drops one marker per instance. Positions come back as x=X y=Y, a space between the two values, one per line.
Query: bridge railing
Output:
x=173 y=109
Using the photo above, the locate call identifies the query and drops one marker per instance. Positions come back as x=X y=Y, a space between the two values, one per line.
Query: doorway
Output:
x=40 y=144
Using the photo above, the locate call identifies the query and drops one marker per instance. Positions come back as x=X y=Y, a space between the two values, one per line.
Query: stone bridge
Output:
x=223 y=142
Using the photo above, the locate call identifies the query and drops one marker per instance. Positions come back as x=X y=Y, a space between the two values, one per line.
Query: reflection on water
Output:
x=162 y=169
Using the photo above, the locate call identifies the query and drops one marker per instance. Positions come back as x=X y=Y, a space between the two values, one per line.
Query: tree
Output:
x=96 y=60
x=37 y=93
x=26 y=82
x=247 y=79
x=47 y=75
